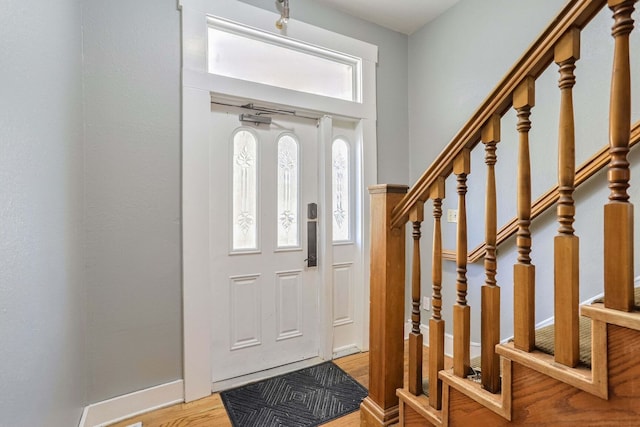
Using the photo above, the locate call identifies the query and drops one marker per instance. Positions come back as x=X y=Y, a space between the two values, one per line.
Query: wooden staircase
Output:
x=539 y=392
x=519 y=384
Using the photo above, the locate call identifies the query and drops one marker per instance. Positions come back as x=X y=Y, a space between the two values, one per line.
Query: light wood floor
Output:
x=210 y=412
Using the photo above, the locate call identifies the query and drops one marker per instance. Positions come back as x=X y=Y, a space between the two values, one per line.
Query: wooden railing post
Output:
x=618 y=212
x=566 y=243
x=490 y=314
x=386 y=308
x=416 y=216
x=524 y=272
x=436 y=323
x=461 y=311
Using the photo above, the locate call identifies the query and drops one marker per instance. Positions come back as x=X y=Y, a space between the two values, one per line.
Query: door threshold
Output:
x=222 y=385
x=345 y=351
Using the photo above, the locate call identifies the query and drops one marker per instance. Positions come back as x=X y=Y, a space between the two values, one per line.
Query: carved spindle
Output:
x=490 y=314
x=618 y=212
x=461 y=311
x=436 y=323
x=566 y=248
x=415 y=337
x=524 y=271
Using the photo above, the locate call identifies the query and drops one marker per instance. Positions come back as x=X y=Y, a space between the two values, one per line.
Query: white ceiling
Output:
x=405 y=16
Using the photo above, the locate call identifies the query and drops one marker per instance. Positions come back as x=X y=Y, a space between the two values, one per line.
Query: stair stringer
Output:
x=416 y=411
x=539 y=399
x=593 y=381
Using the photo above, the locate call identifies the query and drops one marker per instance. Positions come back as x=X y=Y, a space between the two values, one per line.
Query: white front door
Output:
x=265 y=297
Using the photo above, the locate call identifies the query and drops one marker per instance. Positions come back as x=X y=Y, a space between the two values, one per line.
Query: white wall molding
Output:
x=132 y=404
x=475 y=347
x=448 y=340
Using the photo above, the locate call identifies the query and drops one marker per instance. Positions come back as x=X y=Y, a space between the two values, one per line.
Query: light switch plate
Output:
x=452 y=215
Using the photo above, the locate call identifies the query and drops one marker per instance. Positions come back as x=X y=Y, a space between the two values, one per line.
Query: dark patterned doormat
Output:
x=304 y=398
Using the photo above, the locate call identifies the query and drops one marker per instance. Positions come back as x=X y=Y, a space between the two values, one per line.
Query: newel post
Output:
x=386 y=309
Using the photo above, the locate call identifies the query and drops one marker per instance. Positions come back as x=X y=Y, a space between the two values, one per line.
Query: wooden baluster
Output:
x=416 y=216
x=490 y=314
x=461 y=311
x=566 y=248
x=618 y=212
x=386 y=305
x=524 y=272
x=436 y=323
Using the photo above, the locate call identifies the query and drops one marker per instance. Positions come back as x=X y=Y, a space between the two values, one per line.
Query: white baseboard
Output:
x=474 y=349
x=132 y=404
x=345 y=351
x=551 y=320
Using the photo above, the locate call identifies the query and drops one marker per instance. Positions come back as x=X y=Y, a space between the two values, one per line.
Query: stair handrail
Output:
x=585 y=171
x=392 y=207
x=576 y=13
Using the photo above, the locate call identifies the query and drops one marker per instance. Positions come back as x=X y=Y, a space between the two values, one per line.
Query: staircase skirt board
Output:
x=615 y=317
x=500 y=403
x=543 y=401
x=592 y=381
x=416 y=411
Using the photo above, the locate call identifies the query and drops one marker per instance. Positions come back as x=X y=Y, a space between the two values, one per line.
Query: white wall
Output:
x=393 y=146
x=133 y=253
x=42 y=311
x=454 y=62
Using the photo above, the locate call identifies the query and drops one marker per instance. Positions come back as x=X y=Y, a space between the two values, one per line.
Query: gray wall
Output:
x=132 y=99
x=392 y=74
x=457 y=59
x=450 y=75
x=42 y=312
x=128 y=241
x=132 y=170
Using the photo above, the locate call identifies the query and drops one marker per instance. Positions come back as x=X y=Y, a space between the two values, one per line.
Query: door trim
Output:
x=197 y=89
x=325 y=130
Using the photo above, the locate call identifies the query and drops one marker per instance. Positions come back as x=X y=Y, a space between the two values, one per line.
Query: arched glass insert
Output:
x=288 y=184
x=245 y=192
x=341 y=190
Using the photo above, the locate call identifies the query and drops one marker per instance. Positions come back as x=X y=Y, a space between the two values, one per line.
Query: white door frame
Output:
x=198 y=86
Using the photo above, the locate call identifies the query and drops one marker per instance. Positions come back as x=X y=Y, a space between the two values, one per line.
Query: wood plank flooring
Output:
x=210 y=412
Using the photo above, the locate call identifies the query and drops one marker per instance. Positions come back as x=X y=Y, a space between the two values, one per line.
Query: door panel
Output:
x=290 y=291
x=245 y=311
x=348 y=298
x=265 y=299
x=343 y=298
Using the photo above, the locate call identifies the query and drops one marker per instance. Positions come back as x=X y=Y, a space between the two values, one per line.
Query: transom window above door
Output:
x=249 y=54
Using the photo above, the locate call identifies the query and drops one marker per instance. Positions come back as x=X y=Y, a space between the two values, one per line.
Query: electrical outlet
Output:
x=452 y=215
x=426 y=303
